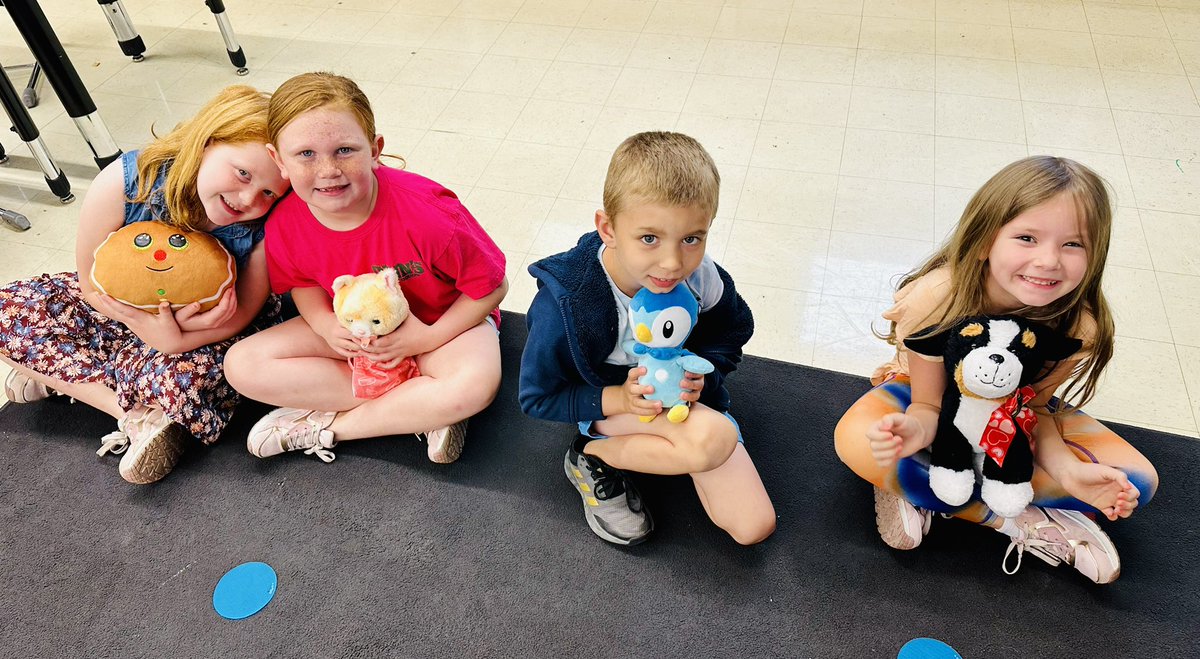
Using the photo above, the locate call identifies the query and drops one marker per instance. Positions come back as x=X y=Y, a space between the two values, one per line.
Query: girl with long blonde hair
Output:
x=159 y=375
x=1033 y=242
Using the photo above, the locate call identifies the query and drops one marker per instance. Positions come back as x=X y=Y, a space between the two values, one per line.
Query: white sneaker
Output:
x=291 y=429
x=1064 y=536
x=901 y=524
x=446 y=444
x=20 y=388
x=155 y=444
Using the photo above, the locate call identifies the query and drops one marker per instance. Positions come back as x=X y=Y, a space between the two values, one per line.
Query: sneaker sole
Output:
x=894 y=535
x=456 y=438
x=154 y=459
x=593 y=522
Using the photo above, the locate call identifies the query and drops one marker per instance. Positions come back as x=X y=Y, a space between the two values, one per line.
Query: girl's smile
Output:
x=237 y=182
x=331 y=163
x=1037 y=257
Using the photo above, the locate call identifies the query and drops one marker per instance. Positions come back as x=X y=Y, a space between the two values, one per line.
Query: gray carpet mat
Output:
x=383 y=554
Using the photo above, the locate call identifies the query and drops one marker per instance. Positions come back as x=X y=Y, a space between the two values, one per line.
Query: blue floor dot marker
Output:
x=927 y=648
x=244 y=590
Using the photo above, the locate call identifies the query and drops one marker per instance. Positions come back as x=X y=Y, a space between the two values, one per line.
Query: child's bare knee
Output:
x=238 y=366
x=848 y=430
x=752 y=529
x=712 y=444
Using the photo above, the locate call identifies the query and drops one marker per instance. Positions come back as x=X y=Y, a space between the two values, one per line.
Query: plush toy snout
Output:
x=990 y=372
x=369 y=305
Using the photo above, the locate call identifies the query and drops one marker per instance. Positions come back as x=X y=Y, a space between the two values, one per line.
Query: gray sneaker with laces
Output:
x=611 y=504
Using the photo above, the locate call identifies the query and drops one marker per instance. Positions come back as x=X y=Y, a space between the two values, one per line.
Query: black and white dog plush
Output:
x=985 y=423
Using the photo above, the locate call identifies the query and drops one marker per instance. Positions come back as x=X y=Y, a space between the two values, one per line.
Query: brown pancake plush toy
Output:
x=144 y=263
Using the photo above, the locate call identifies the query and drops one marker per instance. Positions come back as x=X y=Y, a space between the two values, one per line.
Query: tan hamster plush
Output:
x=372 y=305
x=144 y=263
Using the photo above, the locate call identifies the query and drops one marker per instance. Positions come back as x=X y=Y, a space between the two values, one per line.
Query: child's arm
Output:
x=414 y=337
x=316 y=307
x=102 y=212
x=235 y=311
x=897 y=435
x=1106 y=488
x=719 y=336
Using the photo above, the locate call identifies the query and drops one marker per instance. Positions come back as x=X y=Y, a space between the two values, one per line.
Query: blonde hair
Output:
x=1013 y=190
x=662 y=168
x=320 y=89
x=236 y=115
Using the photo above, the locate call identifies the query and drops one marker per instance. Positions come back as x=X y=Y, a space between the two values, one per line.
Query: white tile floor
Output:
x=849 y=134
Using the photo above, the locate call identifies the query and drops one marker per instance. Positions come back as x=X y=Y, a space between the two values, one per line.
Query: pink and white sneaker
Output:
x=1064 y=536
x=446 y=444
x=20 y=388
x=901 y=524
x=290 y=429
x=153 y=448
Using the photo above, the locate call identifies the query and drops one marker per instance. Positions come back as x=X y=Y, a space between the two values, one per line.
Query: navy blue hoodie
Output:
x=573 y=329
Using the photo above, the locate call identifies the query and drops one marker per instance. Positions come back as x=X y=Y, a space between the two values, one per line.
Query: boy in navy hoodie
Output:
x=660 y=198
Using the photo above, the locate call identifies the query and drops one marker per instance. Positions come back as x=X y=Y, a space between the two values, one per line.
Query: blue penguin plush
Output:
x=661 y=323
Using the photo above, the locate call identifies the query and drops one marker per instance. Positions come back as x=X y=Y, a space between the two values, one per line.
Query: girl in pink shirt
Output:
x=352 y=215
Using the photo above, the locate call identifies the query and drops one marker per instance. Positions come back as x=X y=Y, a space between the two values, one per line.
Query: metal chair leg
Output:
x=31 y=22
x=236 y=56
x=23 y=125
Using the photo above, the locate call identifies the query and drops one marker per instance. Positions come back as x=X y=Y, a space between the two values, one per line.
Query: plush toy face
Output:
x=369 y=305
x=663 y=320
x=990 y=357
x=144 y=263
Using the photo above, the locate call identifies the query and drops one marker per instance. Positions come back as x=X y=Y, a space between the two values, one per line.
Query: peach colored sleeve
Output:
x=917 y=306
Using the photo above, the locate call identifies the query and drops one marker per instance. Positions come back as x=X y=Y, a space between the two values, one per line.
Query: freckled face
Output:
x=653 y=245
x=330 y=162
x=237 y=182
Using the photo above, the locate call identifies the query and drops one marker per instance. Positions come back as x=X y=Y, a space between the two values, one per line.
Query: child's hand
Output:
x=160 y=332
x=895 y=436
x=340 y=340
x=632 y=395
x=191 y=319
x=411 y=338
x=1106 y=488
x=691 y=386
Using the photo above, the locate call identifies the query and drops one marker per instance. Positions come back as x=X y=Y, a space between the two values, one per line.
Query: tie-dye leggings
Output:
x=1088 y=439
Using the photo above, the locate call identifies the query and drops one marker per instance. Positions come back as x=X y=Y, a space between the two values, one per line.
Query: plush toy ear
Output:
x=391 y=280
x=342 y=281
x=926 y=343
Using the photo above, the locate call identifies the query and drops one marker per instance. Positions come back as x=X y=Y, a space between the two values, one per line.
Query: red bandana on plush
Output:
x=1002 y=425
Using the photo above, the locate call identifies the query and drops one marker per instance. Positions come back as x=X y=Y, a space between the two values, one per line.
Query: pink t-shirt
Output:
x=417 y=227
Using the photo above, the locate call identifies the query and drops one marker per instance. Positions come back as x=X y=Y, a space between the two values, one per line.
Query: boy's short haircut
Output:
x=661 y=168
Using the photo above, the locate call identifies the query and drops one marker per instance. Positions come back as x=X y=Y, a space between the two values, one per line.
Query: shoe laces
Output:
x=1031 y=539
x=115 y=442
x=321 y=452
x=608 y=481
x=307 y=434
